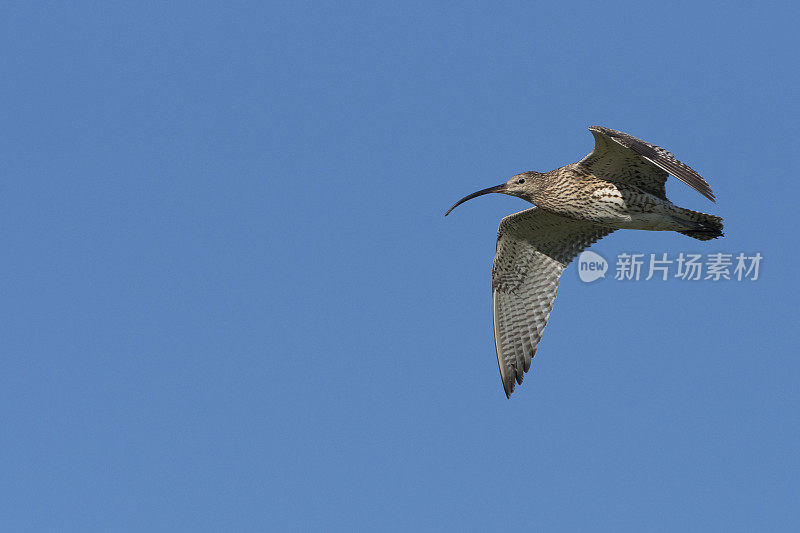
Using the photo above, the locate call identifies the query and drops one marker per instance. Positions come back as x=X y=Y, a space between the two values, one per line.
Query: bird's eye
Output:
x=521 y=181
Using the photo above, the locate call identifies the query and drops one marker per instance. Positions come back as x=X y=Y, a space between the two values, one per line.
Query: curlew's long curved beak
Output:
x=496 y=188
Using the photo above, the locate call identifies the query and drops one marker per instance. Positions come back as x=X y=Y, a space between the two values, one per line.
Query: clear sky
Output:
x=231 y=302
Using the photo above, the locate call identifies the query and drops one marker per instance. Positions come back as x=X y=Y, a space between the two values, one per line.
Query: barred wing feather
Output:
x=533 y=248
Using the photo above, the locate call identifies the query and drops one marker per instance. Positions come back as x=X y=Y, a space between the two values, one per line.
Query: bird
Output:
x=620 y=184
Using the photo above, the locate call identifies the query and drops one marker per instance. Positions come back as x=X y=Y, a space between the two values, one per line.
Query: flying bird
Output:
x=619 y=185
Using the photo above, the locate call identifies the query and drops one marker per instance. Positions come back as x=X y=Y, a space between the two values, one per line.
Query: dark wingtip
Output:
x=508 y=388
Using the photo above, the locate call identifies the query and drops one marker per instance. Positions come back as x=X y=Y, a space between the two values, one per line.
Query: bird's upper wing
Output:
x=622 y=158
x=533 y=248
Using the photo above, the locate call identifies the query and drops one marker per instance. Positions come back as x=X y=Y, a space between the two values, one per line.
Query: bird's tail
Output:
x=704 y=227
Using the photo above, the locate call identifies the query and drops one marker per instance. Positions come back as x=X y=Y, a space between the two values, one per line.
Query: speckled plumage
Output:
x=619 y=185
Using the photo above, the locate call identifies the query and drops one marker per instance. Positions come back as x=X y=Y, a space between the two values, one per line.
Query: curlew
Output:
x=619 y=185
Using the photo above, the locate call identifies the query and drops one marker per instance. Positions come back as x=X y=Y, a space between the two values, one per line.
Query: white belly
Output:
x=625 y=209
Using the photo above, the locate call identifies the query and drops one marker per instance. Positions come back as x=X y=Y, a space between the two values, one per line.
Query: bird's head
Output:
x=522 y=186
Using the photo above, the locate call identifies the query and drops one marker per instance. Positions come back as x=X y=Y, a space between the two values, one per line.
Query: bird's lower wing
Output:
x=533 y=248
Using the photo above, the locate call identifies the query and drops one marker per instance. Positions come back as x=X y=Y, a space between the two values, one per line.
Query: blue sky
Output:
x=230 y=300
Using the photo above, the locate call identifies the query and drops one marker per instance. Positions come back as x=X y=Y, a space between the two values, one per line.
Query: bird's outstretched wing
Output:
x=533 y=248
x=621 y=158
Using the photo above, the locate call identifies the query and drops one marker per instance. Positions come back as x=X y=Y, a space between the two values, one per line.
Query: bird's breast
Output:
x=582 y=197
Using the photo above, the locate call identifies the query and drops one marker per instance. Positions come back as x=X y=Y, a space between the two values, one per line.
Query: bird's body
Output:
x=574 y=192
x=620 y=185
